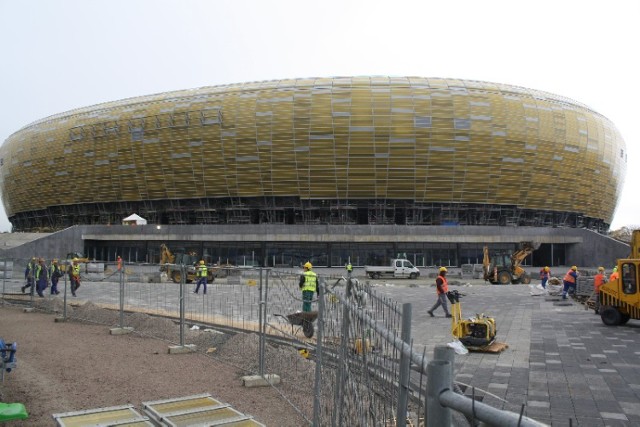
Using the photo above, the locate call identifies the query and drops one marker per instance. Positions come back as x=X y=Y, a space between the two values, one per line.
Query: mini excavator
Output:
x=476 y=332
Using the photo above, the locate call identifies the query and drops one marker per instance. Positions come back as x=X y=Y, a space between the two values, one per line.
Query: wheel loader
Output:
x=170 y=264
x=620 y=298
x=503 y=267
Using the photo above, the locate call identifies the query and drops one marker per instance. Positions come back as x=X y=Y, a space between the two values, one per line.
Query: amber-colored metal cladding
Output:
x=347 y=138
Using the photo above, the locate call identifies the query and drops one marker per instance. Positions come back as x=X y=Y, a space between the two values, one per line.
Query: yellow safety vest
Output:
x=310 y=281
x=202 y=271
x=76 y=270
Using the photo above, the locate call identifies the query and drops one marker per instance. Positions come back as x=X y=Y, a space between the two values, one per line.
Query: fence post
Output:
x=439 y=380
x=261 y=333
x=318 y=372
x=183 y=272
x=66 y=273
x=344 y=342
x=442 y=352
x=121 y=296
x=405 y=366
x=4 y=277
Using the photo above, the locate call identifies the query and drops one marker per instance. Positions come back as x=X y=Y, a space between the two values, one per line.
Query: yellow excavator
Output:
x=503 y=267
x=170 y=264
x=620 y=297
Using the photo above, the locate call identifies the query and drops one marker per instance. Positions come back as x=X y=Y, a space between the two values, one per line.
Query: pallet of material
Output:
x=495 y=347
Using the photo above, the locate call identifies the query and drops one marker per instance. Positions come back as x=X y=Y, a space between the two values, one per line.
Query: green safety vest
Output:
x=310 y=281
x=348 y=267
x=202 y=271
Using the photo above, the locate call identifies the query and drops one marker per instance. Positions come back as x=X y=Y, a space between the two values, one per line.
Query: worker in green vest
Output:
x=309 y=286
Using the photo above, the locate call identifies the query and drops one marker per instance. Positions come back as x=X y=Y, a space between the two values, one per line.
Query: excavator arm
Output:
x=166 y=257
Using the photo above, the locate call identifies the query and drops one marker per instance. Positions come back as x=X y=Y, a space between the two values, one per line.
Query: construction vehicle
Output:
x=620 y=298
x=397 y=269
x=77 y=255
x=475 y=332
x=171 y=264
x=503 y=267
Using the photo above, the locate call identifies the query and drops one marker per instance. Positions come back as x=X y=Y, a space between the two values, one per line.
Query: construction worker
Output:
x=119 y=261
x=74 y=276
x=55 y=273
x=545 y=275
x=614 y=274
x=29 y=274
x=309 y=285
x=570 y=281
x=349 y=268
x=201 y=273
x=442 y=287
x=42 y=277
x=598 y=280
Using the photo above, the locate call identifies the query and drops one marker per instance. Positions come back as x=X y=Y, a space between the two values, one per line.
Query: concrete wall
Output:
x=584 y=247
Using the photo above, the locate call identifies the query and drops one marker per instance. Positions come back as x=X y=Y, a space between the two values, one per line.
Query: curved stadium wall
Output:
x=353 y=150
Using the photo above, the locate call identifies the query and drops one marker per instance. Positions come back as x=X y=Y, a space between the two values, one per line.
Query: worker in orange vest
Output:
x=614 y=275
x=570 y=281
x=598 y=280
x=442 y=287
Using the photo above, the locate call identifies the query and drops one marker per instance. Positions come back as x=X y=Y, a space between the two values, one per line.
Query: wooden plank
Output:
x=495 y=347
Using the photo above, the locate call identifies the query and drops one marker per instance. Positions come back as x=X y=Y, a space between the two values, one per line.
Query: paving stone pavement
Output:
x=562 y=363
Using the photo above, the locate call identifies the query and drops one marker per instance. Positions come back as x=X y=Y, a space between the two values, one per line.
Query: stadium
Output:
x=357 y=168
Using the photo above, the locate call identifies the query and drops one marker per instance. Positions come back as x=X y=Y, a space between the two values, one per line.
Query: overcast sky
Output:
x=64 y=54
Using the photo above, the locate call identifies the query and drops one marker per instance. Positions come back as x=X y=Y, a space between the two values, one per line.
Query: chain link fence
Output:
x=350 y=361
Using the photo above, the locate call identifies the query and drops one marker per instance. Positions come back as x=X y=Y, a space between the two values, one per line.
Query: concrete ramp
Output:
x=125 y=416
x=196 y=410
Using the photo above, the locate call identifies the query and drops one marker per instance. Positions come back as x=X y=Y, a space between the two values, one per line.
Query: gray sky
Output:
x=65 y=54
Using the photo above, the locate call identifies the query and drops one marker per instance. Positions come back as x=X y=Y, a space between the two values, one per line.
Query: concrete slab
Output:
x=179 y=349
x=120 y=331
x=258 y=381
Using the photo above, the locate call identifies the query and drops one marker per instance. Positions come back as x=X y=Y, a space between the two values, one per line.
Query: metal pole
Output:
x=66 y=273
x=439 y=374
x=4 y=277
x=318 y=373
x=482 y=411
x=405 y=366
x=183 y=272
x=264 y=313
x=260 y=307
x=121 y=294
x=344 y=342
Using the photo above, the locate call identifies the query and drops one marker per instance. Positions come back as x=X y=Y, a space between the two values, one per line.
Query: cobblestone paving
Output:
x=563 y=363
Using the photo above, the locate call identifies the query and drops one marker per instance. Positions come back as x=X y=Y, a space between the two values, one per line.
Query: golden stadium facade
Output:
x=345 y=150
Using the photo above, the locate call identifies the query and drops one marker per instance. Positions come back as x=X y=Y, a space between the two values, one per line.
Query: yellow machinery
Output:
x=620 y=298
x=474 y=333
x=502 y=267
x=169 y=261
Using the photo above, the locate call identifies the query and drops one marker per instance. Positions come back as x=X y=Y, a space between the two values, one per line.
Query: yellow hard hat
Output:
x=600 y=268
x=308 y=265
x=574 y=268
x=443 y=269
x=615 y=269
x=201 y=261
x=547 y=269
x=75 y=260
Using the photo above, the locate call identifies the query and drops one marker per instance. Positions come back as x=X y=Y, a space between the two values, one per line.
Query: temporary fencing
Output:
x=348 y=362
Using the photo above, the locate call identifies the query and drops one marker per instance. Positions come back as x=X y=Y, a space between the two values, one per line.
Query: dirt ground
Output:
x=71 y=366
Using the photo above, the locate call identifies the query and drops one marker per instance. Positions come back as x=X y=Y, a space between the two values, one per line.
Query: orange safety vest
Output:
x=569 y=278
x=444 y=286
x=598 y=280
x=614 y=276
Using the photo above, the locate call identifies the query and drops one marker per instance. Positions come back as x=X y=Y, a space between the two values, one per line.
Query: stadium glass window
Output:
x=422 y=121
x=462 y=123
